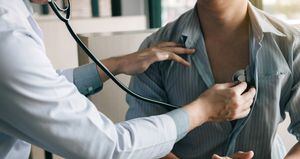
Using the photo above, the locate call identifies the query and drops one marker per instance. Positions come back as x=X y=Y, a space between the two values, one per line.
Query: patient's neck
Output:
x=223 y=17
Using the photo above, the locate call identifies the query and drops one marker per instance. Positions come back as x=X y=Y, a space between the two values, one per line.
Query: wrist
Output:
x=112 y=64
x=119 y=64
x=196 y=113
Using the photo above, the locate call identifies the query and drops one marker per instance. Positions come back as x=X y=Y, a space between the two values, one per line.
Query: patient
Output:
x=229 y=35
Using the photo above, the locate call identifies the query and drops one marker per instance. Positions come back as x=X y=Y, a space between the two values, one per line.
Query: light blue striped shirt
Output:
x=276 y=57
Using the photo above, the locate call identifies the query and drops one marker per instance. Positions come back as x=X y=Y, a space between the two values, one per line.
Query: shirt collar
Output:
x=260 y=25
x=191 y=29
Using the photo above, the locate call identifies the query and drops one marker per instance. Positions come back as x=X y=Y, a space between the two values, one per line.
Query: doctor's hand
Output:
x=139 y=62
x=222 y=102
x=238 y=155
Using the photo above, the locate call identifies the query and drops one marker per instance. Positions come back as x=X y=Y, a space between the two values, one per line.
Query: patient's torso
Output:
x=184 y=85
x=181 y=85
x=227 y=57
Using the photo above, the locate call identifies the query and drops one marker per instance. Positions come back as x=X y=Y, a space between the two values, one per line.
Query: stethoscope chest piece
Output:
x=239 y=76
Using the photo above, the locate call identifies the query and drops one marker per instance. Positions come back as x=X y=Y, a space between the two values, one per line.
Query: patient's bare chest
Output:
x=227 y=58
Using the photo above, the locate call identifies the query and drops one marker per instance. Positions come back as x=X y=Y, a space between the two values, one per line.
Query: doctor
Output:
x=47 y=108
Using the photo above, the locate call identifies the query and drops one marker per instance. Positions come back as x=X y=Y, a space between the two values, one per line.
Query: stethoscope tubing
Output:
x=67 y=10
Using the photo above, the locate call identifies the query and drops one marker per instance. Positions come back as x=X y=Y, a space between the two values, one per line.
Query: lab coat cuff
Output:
x=181 y=119
x=67 y=73
x=87 y=79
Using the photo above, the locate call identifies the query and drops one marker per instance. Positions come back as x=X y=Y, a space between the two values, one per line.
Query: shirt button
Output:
x=90 y=89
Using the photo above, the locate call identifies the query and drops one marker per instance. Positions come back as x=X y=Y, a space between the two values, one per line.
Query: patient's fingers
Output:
x=168 y=44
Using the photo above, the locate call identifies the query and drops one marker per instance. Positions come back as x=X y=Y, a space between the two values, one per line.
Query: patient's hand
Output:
x=238 y=155
x=170 y=156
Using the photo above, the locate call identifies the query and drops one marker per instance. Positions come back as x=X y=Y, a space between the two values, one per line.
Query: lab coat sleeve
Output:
x=149 y=84
x=86 y=78
x=293 y=106
x=43 y=108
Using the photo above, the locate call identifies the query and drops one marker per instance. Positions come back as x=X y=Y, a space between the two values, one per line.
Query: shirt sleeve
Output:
x=43 y=108
x=86 y=78
x=149 y=84
x=293 y=106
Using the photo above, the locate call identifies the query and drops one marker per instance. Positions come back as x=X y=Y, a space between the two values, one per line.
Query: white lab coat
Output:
x=41 y=107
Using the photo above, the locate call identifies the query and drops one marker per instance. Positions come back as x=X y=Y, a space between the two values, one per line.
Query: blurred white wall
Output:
x=62 y=49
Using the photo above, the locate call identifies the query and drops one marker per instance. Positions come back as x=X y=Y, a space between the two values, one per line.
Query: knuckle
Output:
x=235 y=106
x=233 y=94
x=156 y=55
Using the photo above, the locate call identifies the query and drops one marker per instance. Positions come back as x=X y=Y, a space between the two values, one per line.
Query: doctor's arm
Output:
x=89 y=78
x=293 y=106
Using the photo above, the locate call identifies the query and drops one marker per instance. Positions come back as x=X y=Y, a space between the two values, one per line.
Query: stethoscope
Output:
x=66 y=19
x=240 y=76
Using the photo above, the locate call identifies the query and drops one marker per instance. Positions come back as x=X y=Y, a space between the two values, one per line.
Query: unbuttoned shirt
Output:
x=275 y=57
x=48 y=108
